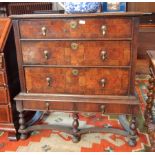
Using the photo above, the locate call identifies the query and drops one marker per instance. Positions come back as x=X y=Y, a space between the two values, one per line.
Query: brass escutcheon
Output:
x=75 y=72
x=74 y=46
x=73 y=24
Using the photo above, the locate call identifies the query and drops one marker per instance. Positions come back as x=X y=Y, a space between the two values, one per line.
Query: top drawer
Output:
x=76 y=28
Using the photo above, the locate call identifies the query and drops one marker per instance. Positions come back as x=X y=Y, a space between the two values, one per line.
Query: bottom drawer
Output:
x=88 y=81
x=3 y=95
x=4 y=114
x=82 y=107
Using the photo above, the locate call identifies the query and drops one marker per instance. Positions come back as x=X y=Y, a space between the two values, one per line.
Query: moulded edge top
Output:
x=111 y=14
x=132 y=100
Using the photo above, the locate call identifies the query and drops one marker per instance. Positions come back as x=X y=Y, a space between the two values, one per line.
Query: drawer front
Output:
x=1 y=60
x=77 y=80
x=82 y=107
x=4 y=114
x=76 y=28
x=3 y=95
x=97 y=53
x=2 y=78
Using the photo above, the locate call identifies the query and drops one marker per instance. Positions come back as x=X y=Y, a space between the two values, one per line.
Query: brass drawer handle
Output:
x=102 y=109
x=43 y=29
x=103 y=81
x=47 y=106
x=103 y=55
x=74 y=46
x=75 y=72
x=46 y=55
x=103 y=29
x=48 y=79
x=73 y=24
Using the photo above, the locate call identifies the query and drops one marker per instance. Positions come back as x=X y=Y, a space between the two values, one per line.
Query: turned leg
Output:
x=21 y=120
x=22 y=125
x=150 y=94
x=133 y=132
x=75 y=125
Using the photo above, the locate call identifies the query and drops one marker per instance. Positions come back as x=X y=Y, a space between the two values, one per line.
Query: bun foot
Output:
x=132 y=142
x=76 y=139
x=23 y=136
x=133 y=132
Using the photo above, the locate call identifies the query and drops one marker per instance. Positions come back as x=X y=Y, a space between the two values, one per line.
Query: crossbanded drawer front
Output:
x=4 y=114
x=3 y=95
x=76 y=28
x=2 y=78
x=91 y=81
x=81 y=106
x=77 y=53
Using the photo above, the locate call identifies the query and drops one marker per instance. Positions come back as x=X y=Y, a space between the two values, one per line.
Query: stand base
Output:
x=76 y=138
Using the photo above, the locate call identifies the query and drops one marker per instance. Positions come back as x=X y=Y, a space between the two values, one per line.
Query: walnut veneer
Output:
x=77 y=62
x=9 y=81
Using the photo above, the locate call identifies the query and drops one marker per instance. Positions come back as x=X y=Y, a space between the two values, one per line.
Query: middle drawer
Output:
x=76 y=53
x=93 y=81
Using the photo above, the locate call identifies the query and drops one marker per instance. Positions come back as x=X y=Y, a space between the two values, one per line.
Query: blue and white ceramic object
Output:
x=80 y=7
x=113 y=6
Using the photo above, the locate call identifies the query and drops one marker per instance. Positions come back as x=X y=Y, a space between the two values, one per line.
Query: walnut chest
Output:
x=77 y=63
